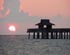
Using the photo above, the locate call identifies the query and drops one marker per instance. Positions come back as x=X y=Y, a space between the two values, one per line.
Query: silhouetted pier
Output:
x=45 y=31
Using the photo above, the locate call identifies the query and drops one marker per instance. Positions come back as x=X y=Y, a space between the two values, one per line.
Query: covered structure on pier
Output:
x=45 y=31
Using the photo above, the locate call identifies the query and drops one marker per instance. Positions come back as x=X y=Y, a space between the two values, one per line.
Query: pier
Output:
x=45 y=31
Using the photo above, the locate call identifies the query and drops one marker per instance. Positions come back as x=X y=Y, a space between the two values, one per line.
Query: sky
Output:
x=24 y=14
x=46 y=7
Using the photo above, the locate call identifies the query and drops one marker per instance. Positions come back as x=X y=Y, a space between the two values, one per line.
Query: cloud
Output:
x=46 y=7
x=1 y=4
x=34 y=8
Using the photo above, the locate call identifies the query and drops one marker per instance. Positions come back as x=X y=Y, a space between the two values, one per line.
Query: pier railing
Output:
x=49 y=34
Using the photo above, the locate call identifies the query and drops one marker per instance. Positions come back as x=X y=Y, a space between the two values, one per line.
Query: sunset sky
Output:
x=58 y=11
x=46 y=7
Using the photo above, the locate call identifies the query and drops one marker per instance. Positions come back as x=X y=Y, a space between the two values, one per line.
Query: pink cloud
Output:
x=46 y=7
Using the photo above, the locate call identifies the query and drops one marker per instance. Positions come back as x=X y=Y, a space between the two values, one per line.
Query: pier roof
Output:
x=45 y=22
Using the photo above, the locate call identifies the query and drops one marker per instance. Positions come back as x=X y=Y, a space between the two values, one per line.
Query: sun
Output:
x=12 y=28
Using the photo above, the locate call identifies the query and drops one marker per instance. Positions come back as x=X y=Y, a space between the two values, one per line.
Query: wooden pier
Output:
x=45 y=31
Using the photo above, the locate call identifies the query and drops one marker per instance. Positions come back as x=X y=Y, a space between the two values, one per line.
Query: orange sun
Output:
x=12 y=28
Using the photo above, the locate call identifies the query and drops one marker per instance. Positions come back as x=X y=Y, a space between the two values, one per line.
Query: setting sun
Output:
x=12 y=28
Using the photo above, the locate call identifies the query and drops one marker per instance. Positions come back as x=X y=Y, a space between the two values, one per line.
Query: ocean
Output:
x=21 y=45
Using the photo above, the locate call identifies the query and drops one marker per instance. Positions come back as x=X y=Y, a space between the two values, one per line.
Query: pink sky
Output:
x=57 y=10
x=46 y=7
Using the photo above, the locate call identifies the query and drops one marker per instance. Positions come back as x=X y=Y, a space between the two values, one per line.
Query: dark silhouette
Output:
x=45 y=31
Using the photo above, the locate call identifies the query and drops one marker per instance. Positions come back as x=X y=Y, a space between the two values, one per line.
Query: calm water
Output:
x=20 y=45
